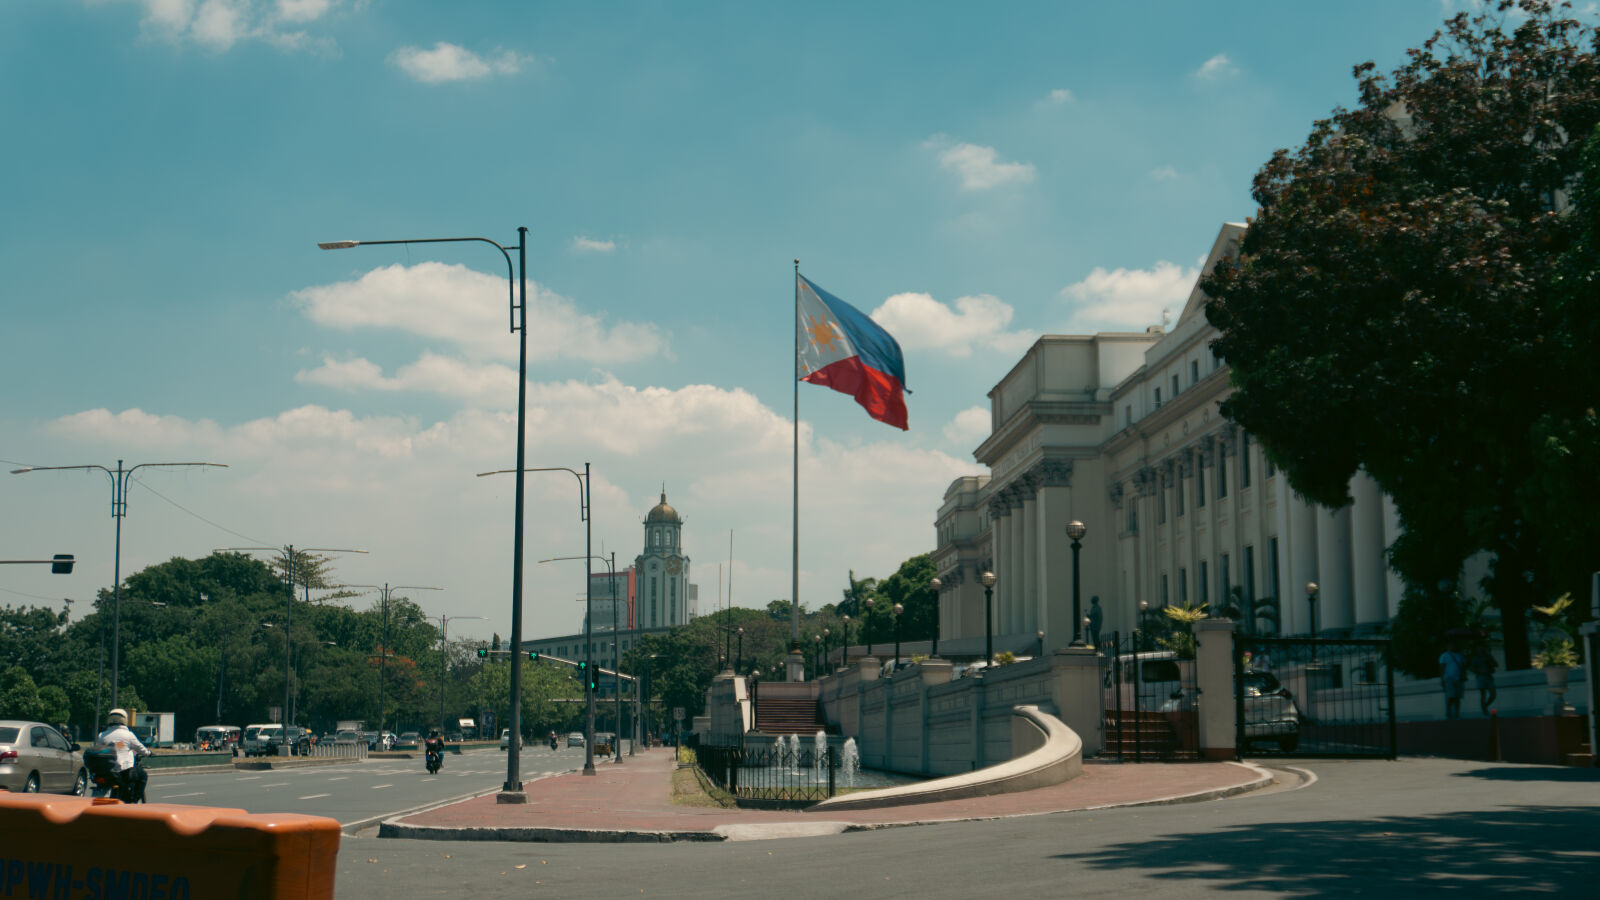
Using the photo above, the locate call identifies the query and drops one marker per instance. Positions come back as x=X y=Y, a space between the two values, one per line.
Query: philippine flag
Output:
x=843 y=349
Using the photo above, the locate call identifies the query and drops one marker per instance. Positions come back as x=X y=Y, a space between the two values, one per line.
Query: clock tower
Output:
x=663 y=570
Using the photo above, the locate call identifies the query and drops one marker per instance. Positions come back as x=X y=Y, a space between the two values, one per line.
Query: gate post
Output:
x=1214 y=678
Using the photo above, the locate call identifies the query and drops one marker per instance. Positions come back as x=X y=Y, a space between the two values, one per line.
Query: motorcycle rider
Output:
x=433 y=749
x=553 y=741
x=128 y=749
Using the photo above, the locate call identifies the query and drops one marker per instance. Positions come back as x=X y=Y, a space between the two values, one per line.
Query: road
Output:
x=1412 y=828
x=358 y=792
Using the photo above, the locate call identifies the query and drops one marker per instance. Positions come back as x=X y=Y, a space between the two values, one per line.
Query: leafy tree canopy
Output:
x=1393 y=307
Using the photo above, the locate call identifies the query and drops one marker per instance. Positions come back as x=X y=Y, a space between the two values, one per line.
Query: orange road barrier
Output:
x=81 y=848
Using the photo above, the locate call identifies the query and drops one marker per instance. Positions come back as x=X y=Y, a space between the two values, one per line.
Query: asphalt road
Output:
x=1412 y=828
x=358 y=791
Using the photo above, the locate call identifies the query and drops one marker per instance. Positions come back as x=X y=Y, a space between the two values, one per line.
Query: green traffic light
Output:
x=482 y=653
x=533 y=655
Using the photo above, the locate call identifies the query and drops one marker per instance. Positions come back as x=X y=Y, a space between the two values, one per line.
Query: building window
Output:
x=1244 y=461
x=1163 y=589
x=1177 y=485
x=1222 y=581
x=1161 y=506
x=1194 y=371
x=1272 y=568
x=1174 y=385
x=1183 y=587
x=1222 y=474
x=1133 y=518
x=1199 y=483
x=1271 y=469
x=1158 y=398
x=1127 y=414
x=1202 y=586
x=1250 y=588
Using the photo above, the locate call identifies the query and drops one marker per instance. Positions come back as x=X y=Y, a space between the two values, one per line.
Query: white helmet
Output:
x=118 y=716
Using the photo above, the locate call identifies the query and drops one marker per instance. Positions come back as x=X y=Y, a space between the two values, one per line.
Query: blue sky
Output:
x=970 y=176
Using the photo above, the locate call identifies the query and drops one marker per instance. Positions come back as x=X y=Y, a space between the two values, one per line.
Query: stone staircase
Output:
x=788 y=716
x=1147 y=737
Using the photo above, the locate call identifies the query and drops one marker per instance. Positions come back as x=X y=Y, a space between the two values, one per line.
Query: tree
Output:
x=1391 y=309
x=908 y=586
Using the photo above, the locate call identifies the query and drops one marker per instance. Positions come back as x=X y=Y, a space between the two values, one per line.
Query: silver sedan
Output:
x=35 y=757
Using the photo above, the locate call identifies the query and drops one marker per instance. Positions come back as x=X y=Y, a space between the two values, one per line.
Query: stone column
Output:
x=1078 y=694
x=1018 y=557
x=1335 y=605
x=1366 y=551
x=1214 y=677
x=1031 y=600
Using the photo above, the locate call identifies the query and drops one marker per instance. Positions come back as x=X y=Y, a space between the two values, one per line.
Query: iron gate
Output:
x=1314 y=697
x=1151 y=701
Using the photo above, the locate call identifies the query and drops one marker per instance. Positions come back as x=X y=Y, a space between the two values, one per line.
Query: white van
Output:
x=258 y=739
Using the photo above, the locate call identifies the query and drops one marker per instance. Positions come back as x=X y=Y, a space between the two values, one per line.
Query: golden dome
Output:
x=663 y=513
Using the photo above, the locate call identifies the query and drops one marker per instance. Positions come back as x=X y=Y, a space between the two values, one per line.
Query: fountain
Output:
x=819 y=758
x=850 y=765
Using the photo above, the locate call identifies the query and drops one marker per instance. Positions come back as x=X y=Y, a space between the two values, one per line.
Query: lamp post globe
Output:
x=1076 y=530
x=988 y=617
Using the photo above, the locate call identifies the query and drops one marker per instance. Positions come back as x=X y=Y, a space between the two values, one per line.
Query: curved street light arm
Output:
x=504 y=251
x=583 y=489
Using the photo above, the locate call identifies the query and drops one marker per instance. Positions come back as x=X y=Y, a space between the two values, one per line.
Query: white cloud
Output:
x=489 y=383
x=1061 y=95
x=469 y=309
x=1216 y=68
x=218 y=25
x=979 y=167
x=589 y=245
x=1163 y=173
x=1129 y=299
x=969 y=427
x=450 y=62
x=404 y=490
x=918 y=321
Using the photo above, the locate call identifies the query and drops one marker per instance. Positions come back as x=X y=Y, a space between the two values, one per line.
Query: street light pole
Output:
x=1311 y=598
x=988 y=617
x=938 y=612
x=866 y=623
x=898 y=609
x=444 y=659
x=383 y=644
x=1076 y=530
x=511 y=791
x=119 y=509
x=288 y=618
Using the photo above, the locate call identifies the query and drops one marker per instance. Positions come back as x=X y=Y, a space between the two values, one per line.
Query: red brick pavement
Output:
x=635 y=796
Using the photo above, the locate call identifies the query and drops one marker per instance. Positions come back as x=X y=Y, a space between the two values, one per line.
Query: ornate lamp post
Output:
x=1076 y=530
x=844 y=650
x=816 y=656
x=938 y=612
x=1041 y=642
x=755 y=699
x=898 y=609
x=1311 y=598
x=740 y=664
x=866 y=624
x=988 y=617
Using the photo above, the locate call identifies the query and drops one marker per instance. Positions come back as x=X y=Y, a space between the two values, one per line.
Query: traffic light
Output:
x=483 y=653
x=63 y=564
x=533 y=655
x=583 y=672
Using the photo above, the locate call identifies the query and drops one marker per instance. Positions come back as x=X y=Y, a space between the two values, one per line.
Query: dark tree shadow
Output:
x=1559 y=774
x=1549 y=849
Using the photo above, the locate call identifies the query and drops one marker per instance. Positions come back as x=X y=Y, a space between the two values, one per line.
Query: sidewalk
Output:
x=631 y=802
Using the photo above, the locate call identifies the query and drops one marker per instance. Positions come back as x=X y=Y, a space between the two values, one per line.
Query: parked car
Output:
x=1269 y=711
x=411 y=737
x=575 y=739
x=35 y=757
x=258 y=739
x=453 y=737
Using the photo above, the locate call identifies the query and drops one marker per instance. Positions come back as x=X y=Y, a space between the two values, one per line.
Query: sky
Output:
x=970 y=175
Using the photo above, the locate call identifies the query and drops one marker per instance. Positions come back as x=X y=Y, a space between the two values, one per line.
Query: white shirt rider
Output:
x=123 y=739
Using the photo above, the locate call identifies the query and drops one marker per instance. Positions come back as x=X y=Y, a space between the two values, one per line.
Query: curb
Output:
x=392 y=827
x=261 y=765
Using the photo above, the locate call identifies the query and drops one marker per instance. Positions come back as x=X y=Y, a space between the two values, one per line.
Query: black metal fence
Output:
x=1151 y=701
x=1314 y=697
x=777 y=776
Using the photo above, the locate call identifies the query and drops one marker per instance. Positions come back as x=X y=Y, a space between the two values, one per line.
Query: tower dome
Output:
x=663 y=513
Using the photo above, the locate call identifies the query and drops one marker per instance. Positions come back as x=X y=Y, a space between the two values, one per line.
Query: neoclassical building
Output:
x=664 y=597
x=1122 y=432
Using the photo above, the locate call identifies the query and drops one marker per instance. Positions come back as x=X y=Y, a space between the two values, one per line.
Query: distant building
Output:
x=664 y=596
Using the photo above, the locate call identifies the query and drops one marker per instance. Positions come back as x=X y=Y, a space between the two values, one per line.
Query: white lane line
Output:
x=176 y=796
x=430 y=779
x=251 y=777
x=339 y=778
x=274 y=784
x=377 y=786
x=174 y=783
x=313 y=796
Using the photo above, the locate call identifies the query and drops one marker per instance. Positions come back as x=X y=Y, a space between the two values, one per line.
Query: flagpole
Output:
x=794 y=611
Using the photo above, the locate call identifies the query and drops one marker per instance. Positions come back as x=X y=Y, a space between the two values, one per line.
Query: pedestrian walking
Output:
x=1452 y=677
x=1482 y=666
x=1096 y=616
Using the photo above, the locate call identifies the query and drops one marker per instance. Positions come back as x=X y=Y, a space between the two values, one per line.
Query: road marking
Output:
x=174 y=784
x=275 y=784
x=376 y=786
x=313 y=796
x=251 y=777
x=339 y=778
x=430 y=779
x=176 y=796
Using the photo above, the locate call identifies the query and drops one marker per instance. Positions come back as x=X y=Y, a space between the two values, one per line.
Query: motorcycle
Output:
x=435 y=755
x=106 y=781
x=554 y=743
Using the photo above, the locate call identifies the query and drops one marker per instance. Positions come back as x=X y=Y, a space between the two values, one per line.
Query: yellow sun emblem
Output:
x=823 y=333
